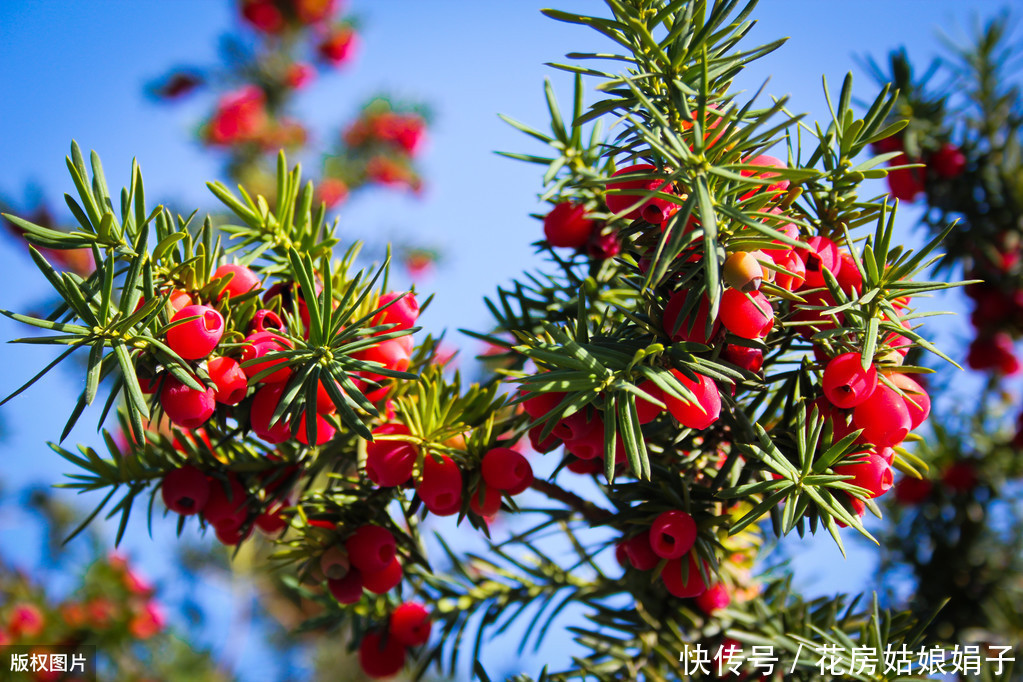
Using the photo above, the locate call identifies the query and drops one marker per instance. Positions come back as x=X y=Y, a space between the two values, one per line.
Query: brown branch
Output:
x=589 y=511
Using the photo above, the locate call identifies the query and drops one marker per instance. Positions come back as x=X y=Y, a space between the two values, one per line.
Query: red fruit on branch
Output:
x=347 y=590
x=714 y=599
x=749 y=315
x=229 y=378
x=647 y=411
x=917 y=401
x=186 y=407
x=486 y=501
x=629 y=195
x=909 y=490
x=749 y=359
x=694 y=326
x=794 y=274
x=846 y=384
x=338 y=47
x=764 y=160
x=266 y=320
x=441 y=485
x=263 y=15
x=379 y=658
x=402 y=314
x=226 y=507
x=264 y=403
x=904 y=184
x=849 y=277
x=506 y=469
x=883 y=417
x=870 y=472
x=371 y=548
x=567 y=225
x=185 y=490
x=672 y=534
x=239 y=279
x=25 y=621
x=707 y=408
x=960 y=477
x=690 y=586
x=410 y=624
x=948 y=162
x=324 y=431
x=240 y=117
x=385 y=579
x=195 y=339
x=389 y=462
x=822 y=255
x=603 y=245
x=259 y=345
x=639 y=552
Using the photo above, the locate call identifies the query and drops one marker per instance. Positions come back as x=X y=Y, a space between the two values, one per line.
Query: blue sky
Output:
x=77 y=70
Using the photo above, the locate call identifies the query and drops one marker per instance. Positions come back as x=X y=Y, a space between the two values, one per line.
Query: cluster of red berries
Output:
x=996 y=318
x=959 y=477
x=668 y=540
x=947 y=162
x=114 y=601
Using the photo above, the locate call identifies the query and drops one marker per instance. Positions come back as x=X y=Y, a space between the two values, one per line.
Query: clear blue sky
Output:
x=76 y=70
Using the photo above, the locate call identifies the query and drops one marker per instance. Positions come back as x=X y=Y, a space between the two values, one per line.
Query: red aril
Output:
x=185 y=490
x=749 y=315
x=371 y=548
x=347 y=590
x=264 y=404
x=196 y=338
x=226 y=507
x=384 y=580
x=641 y=556
x=389 y=462
x=381 y=659
x=690 y=586
x=184 y=406
x=846 y=384
x=822 y=255
x=870 y=472
x=506 y=469
x=240 y=280
x=229 y=378
x=441 y=485
x=672 y=534
x=259 y=345
x=883 y=417
x=707 y=408
x=402 y=314
x=917 y=401
x=567 y=225
x=410 y=624
x=693 y=327
x=629 y=195
x=486 y=501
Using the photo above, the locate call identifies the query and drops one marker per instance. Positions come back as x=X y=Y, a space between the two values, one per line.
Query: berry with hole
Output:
x=195 y=338
x=672 y=534
x=185 y=490
x=186 y=407
x=371 y=548
x=389 y=462
x=410 y=624
x=567 y=225
x=229 y=378
x=846 y=384
x=506 y=469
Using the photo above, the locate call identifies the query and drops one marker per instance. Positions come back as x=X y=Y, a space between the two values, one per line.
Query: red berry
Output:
x=822 y=255
x=410 y=624
x=230 y=534
x=691 y=586
x=707 y=408
x=186 y=407
x=385 y=579
x=714 y=599
x=646 y=410
x=550 y=443
x=196 y=338
x=229 y=377
x=389 y=462
x=960 y=477
x=263 y=15
x=567 y=225
x=264 y=403
x=379 y=659
x=652 y=209
x=324 y=431
x=750 y=316
x=764 y=160
x=917 y=401
x=441 y=486
x=506 y=469
x=641 y=556
x=849 y=277
x=185 y=490
x=25 y=621
x=795 y=269
x=486 y=501
x=392 y=354
x=347 y=590
x=948 y=162
x=672 y=534
x=338 y=47
x=226 y=507
x=242 y=280
x=259 y=345
x=371 y=548
x=266 y=320
x=603 y=246
x=578 y=426
x=402 y=315
x=540 y=404
x=749 y=359
x=691 y=328
x=904 y=183
x=883 y=417
x=846 y=384
x=909 y=490
x=870 y=472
